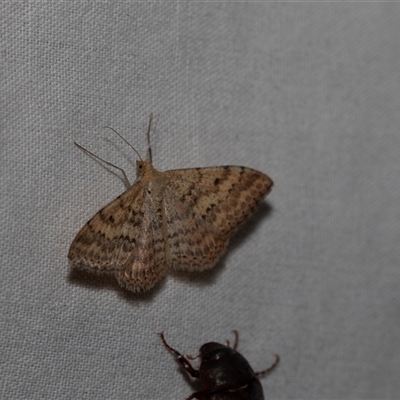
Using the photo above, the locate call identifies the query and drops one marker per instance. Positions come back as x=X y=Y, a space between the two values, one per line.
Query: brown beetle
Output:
x=224 y=373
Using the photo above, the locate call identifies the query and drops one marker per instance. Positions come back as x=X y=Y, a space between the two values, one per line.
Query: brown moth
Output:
x=179 y=219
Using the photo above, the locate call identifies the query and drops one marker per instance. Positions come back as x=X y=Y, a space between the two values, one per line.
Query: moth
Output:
x=224 y=374
x=178 y=219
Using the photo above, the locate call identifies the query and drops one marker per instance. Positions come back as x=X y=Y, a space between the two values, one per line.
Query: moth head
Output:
x=143 y=167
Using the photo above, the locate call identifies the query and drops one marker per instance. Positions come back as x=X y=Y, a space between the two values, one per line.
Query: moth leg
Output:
x=269 y=369
x=181 y=359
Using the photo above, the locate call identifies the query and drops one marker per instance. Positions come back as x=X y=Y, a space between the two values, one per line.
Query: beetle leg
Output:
x=190 y=357
x=269 y=369
x=181 y=359
x=235 y=345
x=199 y=396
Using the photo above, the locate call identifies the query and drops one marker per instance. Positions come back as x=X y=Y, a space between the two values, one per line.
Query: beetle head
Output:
x=223 y=368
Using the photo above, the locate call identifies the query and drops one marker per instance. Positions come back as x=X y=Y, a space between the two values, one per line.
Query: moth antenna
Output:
x=108 y=127
x=125 y=178
x=150 y=136
x=148 y=155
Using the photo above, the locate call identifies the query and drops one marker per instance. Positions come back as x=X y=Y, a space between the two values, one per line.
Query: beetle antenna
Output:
x=125 y=178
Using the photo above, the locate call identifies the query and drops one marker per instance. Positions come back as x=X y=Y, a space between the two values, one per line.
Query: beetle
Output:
x=224 y=373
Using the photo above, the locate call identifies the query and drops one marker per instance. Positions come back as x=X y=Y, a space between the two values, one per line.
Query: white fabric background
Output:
x=308 y=93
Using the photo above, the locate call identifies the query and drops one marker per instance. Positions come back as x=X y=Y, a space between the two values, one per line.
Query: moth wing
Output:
x=147 y=264
x=192 y=244
x=120 y=239
x=107 y=240
x=225 y=197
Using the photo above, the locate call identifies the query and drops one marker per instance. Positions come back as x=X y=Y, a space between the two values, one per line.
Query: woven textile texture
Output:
x=307 y=93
